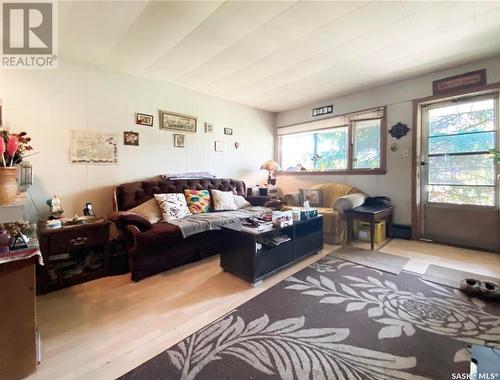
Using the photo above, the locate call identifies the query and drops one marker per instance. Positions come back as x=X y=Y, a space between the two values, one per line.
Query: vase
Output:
x=8 y=185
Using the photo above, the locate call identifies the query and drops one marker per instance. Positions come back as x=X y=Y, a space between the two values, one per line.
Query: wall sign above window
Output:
x=459 y=82
x=322 y=110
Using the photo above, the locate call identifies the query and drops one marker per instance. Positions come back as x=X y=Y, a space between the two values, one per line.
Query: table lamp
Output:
x=271 y=167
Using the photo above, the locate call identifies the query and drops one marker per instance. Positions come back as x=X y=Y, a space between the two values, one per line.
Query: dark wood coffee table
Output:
x=242 y=256
x=371 y=215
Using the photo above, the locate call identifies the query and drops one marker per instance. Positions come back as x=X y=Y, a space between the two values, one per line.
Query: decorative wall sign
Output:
x=322 y=110
x=131 y=138
x=209 y=127
x=228 y=131
x=459 y=82
x=179 y=140
x=219 y=146
x=399 y=130
x=177 y=122
x=144 y=119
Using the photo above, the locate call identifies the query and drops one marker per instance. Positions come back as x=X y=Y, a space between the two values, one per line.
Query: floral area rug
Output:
x=337 y=320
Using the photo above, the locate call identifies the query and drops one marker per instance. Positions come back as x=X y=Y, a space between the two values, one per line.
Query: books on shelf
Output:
x=274 y=239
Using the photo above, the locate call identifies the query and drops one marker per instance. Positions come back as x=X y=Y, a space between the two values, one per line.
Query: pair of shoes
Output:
x=473 y=288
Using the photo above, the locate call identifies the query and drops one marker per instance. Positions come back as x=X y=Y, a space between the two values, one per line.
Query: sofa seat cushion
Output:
x=159 y=236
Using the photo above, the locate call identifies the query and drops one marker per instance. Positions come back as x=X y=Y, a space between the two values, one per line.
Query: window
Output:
x=460 y=168
x=347 y=144
x=366 y=143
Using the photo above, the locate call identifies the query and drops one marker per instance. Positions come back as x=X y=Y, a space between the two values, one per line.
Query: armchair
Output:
x=335 y=199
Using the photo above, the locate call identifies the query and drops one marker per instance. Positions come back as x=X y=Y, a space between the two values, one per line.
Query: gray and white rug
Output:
x=336 y=320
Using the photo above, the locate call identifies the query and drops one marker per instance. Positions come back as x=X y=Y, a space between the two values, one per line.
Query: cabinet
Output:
x=72 y=254
x=244 y=256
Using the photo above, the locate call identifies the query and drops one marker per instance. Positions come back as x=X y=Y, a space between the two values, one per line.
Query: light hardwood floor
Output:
x=104 y=328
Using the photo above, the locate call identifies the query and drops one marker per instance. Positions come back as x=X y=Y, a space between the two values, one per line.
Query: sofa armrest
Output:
x=348 y=202
x=125 y=218
x=292 y=199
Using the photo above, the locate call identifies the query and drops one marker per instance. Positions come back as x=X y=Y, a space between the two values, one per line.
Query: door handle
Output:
x=423 y=163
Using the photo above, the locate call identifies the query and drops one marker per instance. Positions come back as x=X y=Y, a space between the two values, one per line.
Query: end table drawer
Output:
x=70 y=241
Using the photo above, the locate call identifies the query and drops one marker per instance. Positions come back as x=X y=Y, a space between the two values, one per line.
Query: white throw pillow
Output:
x=149 y=210
x=223 y=200
x=241 y=202
x=172 y=206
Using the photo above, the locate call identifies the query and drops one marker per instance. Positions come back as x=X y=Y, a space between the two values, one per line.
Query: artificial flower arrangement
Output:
x=13 y=147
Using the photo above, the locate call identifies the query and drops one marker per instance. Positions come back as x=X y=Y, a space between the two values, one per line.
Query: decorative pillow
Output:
x=241 y=202
x=198 y=201
x=313 y=196
x=223 y=200
x=149 y=210
x=172 y=206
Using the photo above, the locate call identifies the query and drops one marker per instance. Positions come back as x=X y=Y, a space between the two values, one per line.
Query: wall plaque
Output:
x=322 y=110
x=459 y=82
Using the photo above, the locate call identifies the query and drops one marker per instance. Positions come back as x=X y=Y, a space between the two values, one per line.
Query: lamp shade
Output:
x=270 y=166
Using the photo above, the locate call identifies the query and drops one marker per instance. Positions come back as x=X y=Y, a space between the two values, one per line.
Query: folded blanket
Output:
x=209 y=221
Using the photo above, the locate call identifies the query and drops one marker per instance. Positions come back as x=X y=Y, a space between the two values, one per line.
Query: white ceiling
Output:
x=277 y=55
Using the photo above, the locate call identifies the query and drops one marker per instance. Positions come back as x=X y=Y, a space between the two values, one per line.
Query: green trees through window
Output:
x=328 y=150
x=461 y=170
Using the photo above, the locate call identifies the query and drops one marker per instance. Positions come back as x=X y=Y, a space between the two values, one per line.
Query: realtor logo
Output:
x=28 y=35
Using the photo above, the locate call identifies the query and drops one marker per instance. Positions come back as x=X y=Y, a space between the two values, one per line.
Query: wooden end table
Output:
x=371 y=215
x=68 y=252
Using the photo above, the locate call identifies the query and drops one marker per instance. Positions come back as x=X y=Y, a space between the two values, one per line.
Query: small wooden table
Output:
x=371 y=215
x=72 y=246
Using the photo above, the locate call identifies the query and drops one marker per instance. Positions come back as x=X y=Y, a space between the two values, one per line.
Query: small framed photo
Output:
x=219 y=146
x=131 y=138
x=179 y=140
x=209 y=128
x=228 y=131
x=144 y=119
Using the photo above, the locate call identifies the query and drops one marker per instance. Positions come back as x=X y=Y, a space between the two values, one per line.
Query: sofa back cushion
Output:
x=129 y=195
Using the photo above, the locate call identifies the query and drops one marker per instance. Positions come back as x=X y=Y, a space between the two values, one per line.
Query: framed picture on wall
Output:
x=144 y=119
x=131 y=138
x=179 y=140
x=228 y=131
x=219 y=146
x=209 y=128
x=177 y=122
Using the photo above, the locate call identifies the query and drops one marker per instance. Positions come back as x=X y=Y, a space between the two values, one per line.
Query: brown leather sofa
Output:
x=154 y=248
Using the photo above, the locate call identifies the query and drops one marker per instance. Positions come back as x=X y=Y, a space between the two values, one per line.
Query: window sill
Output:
x=336 y=172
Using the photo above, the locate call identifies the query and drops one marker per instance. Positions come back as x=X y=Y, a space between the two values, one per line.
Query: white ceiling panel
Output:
x=160 y=27
x=277 y=55
x=227 y=25
x=299 y=20
x=341 y=31
x=90 y=30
